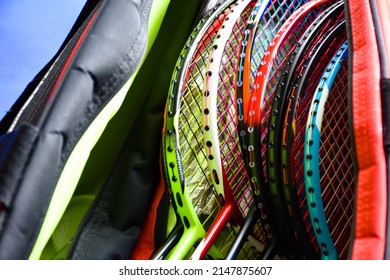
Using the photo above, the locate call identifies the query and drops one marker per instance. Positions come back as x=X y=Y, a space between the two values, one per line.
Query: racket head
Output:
x=266 y=18
x=221 y=142
x=185 y=169
x=267 y=76
x=265 y=22
x=296 y=118
x=329 y=175
x=259 y=33
x=254 y=19
x=286 y=89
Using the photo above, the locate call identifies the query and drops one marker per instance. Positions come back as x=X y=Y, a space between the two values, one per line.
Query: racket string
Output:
x=215 y=175
x=300 y=113
x=197 y=178
x=196 y=171
x=191 y=109
x=302 y=110
x=230 y=149
x=232 y=160
x=195 y=164
x=267 y=78
x=277 y=12
x=278 y=64
x=288 y=88
x=273 y=19
x=336 y=150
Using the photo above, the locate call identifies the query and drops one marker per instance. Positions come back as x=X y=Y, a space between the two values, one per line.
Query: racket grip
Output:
x=243 y=234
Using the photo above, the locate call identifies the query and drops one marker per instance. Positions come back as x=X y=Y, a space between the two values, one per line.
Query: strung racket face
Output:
x=184 y=161
x=259 y=33
x=265 y=21
x=286 y=89
x=267 y=76
x=227 y=166
x=296 y=117
x=254 y=19
x=329 y=175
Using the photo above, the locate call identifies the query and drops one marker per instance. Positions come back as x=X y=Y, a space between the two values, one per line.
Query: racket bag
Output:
x=369 y=101
x=79 y=149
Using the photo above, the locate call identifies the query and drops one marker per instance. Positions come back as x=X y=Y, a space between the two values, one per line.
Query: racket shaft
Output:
x=172 y=240
x=216 y=228
x=245 y=231
x=186 y=242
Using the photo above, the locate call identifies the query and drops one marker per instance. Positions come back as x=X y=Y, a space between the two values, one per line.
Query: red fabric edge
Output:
x=72 y=55
x=145 y=245
x=371 y=197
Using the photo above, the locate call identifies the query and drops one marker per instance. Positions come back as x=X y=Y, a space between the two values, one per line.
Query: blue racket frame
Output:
x=312 y=159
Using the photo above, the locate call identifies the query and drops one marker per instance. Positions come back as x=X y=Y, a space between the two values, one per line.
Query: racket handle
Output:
x=243 y=234
x=172 y=240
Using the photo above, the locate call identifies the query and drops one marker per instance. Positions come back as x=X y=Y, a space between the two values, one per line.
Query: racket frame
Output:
x=312 y=160
x=229 y=209
x=290 y=133
x=254 y=120
x=286 y=88
x=171 y=158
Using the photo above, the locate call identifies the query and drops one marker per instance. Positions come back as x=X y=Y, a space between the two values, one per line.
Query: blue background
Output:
x=31 y=31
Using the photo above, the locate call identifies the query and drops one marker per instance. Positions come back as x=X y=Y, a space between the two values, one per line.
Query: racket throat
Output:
x=216 y=228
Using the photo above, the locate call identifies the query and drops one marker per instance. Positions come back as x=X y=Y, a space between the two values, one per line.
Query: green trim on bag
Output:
x=74 y=167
